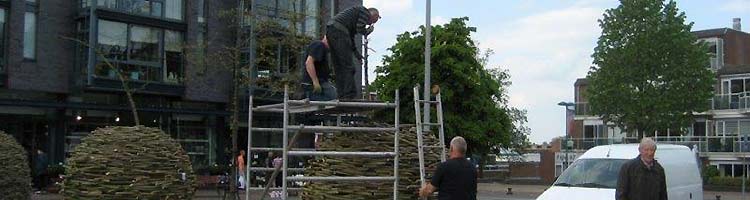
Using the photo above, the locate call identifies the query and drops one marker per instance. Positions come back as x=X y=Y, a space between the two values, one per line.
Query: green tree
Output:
x=650 y=74
x=474 y=98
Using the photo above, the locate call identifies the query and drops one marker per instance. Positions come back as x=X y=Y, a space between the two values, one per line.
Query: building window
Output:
x=29 y=36
x=173 y=49
x=113 y=39
x=2 y=40
x=144 y=43
x=174 y=9
x=170 y=9
x=201 y=12
x=311 y=18
x=137 y=53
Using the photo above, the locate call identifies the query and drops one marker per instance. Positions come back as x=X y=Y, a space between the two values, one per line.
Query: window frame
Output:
x=159 y=64
x=4 y=41
x=124 y=6
x=35 y=36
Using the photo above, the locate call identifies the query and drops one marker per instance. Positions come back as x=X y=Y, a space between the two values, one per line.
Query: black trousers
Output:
x=342 y=58
x=40 y=181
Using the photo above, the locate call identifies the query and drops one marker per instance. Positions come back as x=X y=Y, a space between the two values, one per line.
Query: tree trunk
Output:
x=129 y=94
x=233 y=127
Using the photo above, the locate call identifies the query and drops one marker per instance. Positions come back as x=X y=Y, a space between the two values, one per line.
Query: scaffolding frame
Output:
x=305 y=106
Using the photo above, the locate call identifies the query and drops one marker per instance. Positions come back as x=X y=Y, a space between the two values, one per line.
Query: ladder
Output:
x=305 y=106
x=421 y=126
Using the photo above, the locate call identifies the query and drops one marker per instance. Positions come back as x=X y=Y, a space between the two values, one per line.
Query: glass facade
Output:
x=139 y=53
x=168 y=9
x=196 y=138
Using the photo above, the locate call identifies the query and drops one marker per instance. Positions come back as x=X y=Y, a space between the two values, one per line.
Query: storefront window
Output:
x=195 y=138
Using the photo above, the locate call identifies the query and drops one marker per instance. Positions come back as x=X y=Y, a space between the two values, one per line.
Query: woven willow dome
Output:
x=359 y=166
x=129 y=163
x=15 y=181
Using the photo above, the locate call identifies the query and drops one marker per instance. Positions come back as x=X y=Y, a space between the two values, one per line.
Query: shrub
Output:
x=15 y=181
x=726 y=181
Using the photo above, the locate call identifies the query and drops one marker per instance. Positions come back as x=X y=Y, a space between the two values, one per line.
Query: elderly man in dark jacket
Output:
x=340 y=32
x=642 y=178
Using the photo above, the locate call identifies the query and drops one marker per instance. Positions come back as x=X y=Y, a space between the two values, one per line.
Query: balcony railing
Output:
x=703 y=143
x=583 y=108
x=738 y=101
x=715 y=64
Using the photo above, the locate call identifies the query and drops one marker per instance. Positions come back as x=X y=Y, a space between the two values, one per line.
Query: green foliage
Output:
x=55 y=169
x=726 y=181
x=15 y=181
x=129 y=163
x=709 y=172
x=473 y=97
x=650 y=73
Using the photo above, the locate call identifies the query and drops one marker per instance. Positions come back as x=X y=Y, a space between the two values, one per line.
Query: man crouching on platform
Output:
x=315 y=80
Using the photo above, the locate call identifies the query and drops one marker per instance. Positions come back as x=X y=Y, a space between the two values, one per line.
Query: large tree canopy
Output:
x=650 y=74
x=474 y=98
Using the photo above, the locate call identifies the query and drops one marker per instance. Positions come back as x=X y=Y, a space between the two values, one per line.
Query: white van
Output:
x=594 y=174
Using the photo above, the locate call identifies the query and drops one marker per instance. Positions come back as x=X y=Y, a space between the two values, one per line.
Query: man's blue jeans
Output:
x=327 y=91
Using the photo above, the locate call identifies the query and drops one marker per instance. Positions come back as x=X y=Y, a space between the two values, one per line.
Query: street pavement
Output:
x=487 y=191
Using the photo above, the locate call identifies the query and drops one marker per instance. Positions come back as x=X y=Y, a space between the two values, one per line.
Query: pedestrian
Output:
x=642 y=178
x=40 y=171
x=241 y=169
x=277 y=162
x=315 y=77
x=341 y=31
x=454 y=179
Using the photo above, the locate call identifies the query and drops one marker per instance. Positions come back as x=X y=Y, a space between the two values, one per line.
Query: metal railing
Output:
x=739 y=101
x=704 y=144
x=583 y=108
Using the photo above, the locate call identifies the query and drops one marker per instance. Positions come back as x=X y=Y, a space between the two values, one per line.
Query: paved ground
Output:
x=487 y=191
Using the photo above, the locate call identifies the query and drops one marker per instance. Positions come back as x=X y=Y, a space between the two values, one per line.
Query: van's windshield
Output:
x=594 y=173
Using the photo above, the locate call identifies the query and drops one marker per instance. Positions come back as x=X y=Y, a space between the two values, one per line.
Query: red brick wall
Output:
x=524 y=169
x=736 y=48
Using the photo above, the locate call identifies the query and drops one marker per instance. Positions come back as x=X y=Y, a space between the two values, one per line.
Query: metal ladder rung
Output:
x=344 y=103
x=340 y=153
x=428 y=101
x=273 y=189
x=431 y=124
x=270 y=169
x=340 y=178
x=277 y=149
x=310 y=129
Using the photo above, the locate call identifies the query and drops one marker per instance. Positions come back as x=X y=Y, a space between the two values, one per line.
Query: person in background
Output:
x=40 y=171
x=241 y=169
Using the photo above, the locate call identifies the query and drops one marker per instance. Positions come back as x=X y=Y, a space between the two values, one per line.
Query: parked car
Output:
x=594 y=175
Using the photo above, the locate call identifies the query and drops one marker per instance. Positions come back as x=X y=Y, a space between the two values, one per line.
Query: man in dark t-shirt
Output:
x=316 y=75
x=454 y=179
